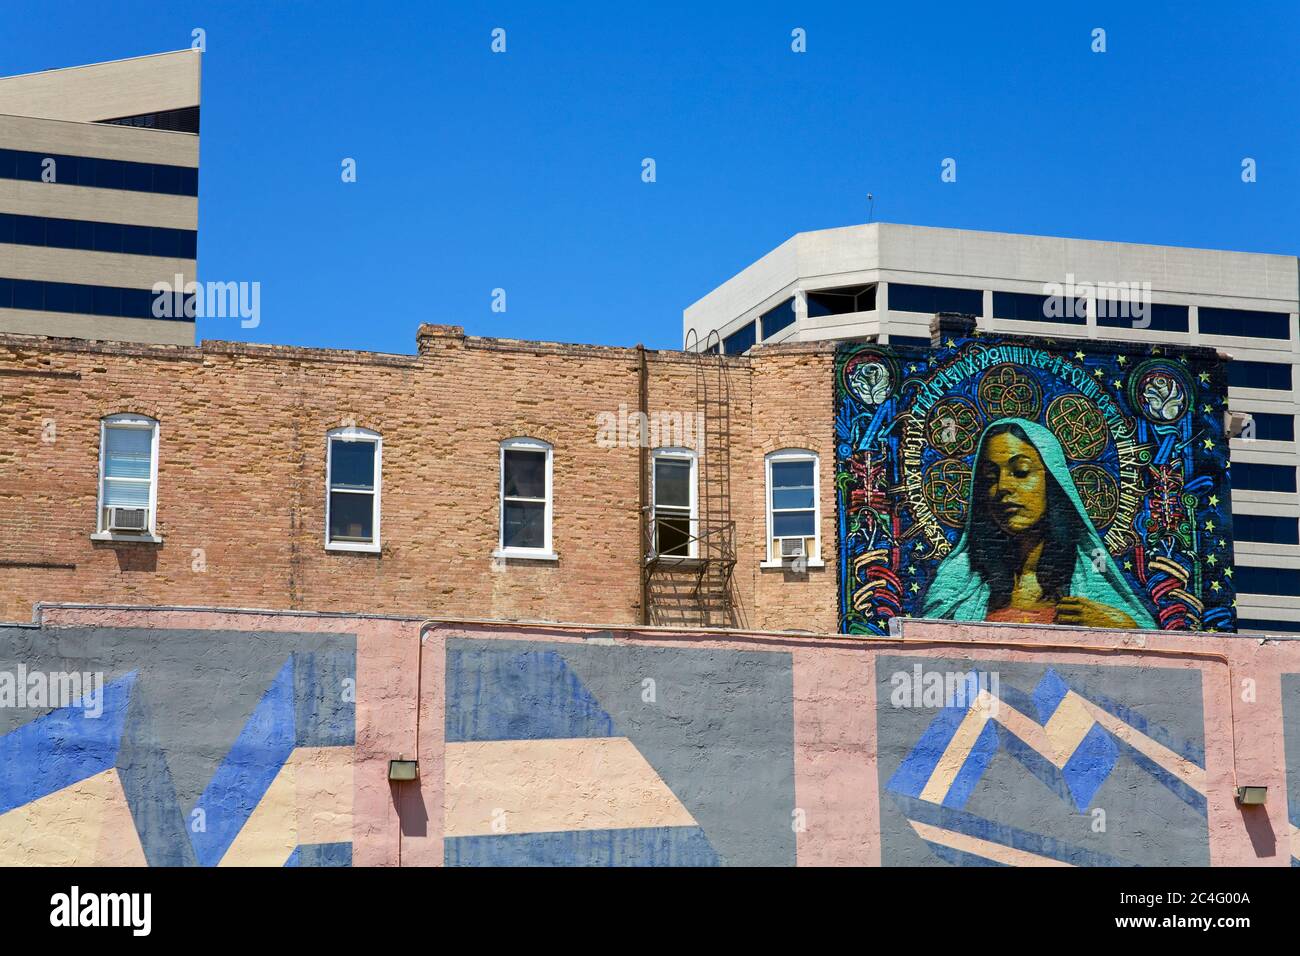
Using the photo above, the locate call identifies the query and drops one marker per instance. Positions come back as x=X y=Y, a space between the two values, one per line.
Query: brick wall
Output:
x=241 y=500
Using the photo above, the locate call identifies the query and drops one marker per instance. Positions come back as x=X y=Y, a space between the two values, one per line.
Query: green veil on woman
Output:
x=959 y=593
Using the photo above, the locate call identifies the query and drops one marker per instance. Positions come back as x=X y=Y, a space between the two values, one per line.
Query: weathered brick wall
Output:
x=241 y=499
x=793 y=408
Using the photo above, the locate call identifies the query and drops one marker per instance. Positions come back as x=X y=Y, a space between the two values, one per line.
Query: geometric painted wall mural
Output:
x=579 y=755
x=1291 y=741
x=1032 y=481
x=184 y=748
x=1041 y=769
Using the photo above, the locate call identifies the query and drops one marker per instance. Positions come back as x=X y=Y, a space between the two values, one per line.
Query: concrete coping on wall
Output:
x=1118 y=638
x=430 y=339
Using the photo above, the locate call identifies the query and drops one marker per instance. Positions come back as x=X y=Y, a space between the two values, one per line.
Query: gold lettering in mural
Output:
x=914 y=443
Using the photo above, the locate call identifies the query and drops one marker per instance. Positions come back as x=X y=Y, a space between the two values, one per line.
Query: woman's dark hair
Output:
x=993 y=553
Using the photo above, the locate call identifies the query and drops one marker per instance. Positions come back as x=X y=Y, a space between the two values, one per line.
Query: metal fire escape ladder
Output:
x=712 y=543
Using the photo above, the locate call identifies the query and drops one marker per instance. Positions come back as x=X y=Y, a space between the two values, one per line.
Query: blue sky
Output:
x=522 y=170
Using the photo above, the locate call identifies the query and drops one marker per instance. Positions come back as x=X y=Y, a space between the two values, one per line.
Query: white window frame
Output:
x=546 y=551
x=351 y=434
x=814 y=560
x=128 y=420
x=679 y=454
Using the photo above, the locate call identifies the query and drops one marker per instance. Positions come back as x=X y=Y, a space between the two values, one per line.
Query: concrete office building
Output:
x=883 y=282
x=99 y=197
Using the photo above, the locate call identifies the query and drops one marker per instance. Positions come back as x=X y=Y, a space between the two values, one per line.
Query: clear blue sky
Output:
x=523 y=170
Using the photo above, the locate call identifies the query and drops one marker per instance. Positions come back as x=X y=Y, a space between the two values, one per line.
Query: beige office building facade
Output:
x=99 y=199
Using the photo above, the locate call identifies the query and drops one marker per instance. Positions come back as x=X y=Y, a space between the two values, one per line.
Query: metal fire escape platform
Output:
x=695 y=578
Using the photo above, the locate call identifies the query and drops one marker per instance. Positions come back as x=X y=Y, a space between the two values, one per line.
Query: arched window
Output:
x=525 y=498
x=675 y=507
x=353 y=472
x=793 y=506
x=128 y=477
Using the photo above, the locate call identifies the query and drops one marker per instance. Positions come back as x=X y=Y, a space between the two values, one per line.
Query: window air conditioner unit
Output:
x=791 y=548
x=128 y=519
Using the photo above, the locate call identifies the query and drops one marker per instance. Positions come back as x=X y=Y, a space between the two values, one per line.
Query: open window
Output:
x=352 y=489
x=128 y=477
x=525 y=530
x=674 y=516
x=793 y=507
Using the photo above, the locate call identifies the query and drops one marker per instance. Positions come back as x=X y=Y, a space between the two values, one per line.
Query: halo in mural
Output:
x=1160 y=391
x=1079 y=425
x=870 y=376
x=1007 y=392
x=954 y=427
x=946 y=487
x=1099 y=492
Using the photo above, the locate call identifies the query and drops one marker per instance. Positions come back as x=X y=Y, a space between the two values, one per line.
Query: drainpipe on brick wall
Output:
x=643 y=402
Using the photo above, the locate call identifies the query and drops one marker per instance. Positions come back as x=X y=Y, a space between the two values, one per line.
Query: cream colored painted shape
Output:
x=544 y=786
x=996 y=852
x=86 y=824
x=309 y=801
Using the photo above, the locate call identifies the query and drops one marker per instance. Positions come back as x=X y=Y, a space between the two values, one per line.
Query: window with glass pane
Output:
x=672 y=506
x=794 y=504
x=128 y=466
x=523 y=499
x=352 y=490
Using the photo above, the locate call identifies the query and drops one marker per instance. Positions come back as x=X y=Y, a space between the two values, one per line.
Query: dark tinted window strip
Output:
x=742 y=340
x=100 y=173
x=1259 y=375
x=40 y=296
x=1284 y=627
x=778 y=318
x=1250 y=476
x=1162 y=318
x=1027 y=307
x=930 y=299
x=177 y=121
x=98 y=236
x=1284 y=582
x=1273 y=427
x=1247 y=322
x=1266 y=529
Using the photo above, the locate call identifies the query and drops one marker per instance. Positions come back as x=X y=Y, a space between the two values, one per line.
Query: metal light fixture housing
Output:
x=1252 y=796
x=403 y=771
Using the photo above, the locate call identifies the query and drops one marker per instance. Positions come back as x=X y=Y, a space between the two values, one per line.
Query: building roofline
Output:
x=82 y=66
x=1034 y=235
x=427 y=337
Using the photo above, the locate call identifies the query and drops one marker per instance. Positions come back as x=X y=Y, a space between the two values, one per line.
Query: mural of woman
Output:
x=1030 y=553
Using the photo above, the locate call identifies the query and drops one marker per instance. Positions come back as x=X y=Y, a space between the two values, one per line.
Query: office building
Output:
x=99 y=198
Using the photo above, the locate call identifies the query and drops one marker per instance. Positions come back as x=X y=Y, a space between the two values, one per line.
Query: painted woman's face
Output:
x=1012 y=483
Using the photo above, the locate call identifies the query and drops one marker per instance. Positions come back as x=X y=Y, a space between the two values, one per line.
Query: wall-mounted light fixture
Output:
x=400 y=771
x=1251 y=796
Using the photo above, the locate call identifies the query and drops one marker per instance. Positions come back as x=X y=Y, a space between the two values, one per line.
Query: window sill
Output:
x=128 y=538
x=789 y=564
x=511 y=554
x=352 y=546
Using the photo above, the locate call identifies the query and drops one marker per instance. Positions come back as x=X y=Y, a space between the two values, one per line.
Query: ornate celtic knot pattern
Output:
x=954 y=427
x=1099 y=492
x=1006 y=392
x=1079 y=425
x=946 y=485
